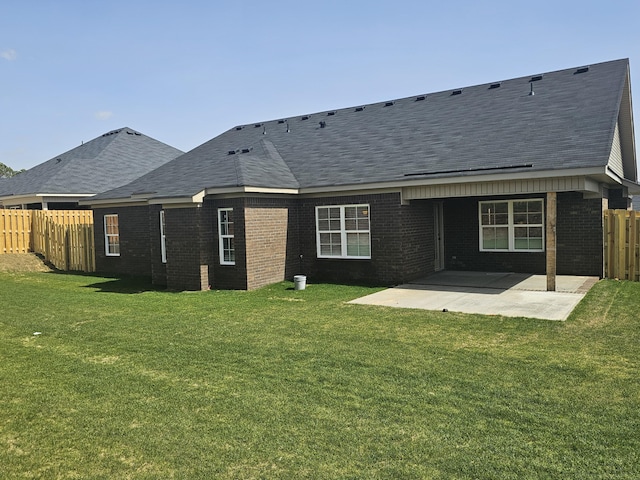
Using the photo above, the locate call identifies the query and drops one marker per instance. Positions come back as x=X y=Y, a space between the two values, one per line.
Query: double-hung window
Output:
x=111 y=236
x=512 y=226
x=342 y=231
x=226 y=236
x=163 y=238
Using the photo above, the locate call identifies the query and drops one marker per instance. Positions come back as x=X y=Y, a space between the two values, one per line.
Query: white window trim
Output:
x=107 y=235
x=222 y=237
x=511 y=227
x=163 y=238
x=343 y=232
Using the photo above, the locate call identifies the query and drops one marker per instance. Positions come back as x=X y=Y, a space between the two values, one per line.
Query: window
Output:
x=512 y=226
x=227 y=244
x=111 y=236
x=343 y=231
x=163 y=239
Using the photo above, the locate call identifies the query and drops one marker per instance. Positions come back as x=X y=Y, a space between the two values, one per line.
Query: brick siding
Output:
x=189 y=235
x=578 y=230
x=134 y=258
x=275 y=239
x=158 y=268
x=399 y=236
x=266 y=241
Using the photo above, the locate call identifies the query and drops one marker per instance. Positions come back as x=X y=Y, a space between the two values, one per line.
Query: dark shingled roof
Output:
x=567 y=123
x=106 y=162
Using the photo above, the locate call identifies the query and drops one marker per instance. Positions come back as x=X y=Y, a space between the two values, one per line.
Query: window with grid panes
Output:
x=111 y=236
x=226 y=236
x=512 y=225
x=342 y=231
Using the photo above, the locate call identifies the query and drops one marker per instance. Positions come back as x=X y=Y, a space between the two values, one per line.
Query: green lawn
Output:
x=128 y=382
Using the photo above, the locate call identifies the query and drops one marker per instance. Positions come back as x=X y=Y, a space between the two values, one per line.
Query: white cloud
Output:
x=104 y=115
x=9 y=54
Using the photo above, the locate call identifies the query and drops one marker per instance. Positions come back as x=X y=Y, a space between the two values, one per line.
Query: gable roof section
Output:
x=545 y=123
x=106 y=162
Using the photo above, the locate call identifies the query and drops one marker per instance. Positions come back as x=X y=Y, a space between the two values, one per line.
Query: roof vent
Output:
x=388 y=104
x=247 y=150
x=305 y=117
x=257 y=125
x=456 y=92
x=58 y=160
x=359 y=109
x=421 y=98
x=330 y=114
x=323 y=124
x=495 y=85
x=281 y=121
x=535 y=78
x=239 y=128
x=581 y=70
x=231 y=152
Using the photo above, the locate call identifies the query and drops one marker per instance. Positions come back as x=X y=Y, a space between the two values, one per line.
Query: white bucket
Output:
x=300 y=282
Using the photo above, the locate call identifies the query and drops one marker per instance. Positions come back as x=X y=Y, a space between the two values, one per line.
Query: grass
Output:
x=128 y=382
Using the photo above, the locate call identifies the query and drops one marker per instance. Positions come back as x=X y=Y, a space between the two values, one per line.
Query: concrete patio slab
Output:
x=508 y=294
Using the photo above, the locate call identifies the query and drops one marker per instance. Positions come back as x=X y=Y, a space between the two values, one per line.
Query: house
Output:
x=106 y=162
x=474 y=178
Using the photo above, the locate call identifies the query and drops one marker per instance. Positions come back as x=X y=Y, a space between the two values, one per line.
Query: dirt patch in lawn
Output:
x=22 y=262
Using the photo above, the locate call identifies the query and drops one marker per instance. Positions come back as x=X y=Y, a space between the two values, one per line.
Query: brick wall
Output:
x=462 y=242
x=579 y=235
x=401 y=242
x=226 y=277
x=158 y=268
x=418 y=239
x=275 y=239
x=188 y=231
x=266 y=239
x=578 y=230
x=134 y=258
x=617 y=199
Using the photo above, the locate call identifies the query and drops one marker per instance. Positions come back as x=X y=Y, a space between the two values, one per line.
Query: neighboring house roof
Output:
x=578 y=119
x=106 y=162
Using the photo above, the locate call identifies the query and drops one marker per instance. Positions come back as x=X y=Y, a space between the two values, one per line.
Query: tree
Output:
x=7 y=172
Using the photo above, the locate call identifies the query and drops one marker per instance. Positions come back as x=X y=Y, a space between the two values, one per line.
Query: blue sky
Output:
x=184 y=72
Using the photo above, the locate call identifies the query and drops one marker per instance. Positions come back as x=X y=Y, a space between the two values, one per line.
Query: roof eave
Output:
x=600 y=172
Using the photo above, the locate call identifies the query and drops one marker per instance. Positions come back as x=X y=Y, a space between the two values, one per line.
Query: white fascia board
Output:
x=250 y=189
x=179 y=202
x=37 y=197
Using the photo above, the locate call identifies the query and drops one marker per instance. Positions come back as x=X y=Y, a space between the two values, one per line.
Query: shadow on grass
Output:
x=127 y=285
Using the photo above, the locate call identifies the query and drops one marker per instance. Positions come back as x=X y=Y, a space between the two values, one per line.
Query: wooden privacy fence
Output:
x=15 y=231
x=63 y=237
x=622 y=244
